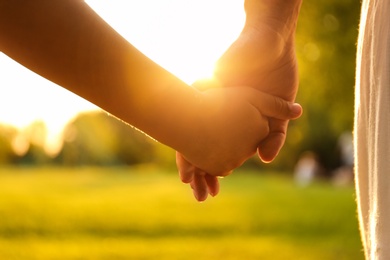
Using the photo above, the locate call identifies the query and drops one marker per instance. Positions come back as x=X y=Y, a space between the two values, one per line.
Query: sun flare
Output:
x=184 y=37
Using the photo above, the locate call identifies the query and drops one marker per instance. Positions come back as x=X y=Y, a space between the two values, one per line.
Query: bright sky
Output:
x=184 y=36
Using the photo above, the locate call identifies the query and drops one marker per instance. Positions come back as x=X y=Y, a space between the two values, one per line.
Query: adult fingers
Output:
x=186 y=169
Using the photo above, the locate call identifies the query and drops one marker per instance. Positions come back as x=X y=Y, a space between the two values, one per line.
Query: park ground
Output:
x=146 y=213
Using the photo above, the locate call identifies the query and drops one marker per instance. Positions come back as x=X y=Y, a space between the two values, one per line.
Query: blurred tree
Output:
x=33 y=138
x=97 y=138
x=7 y=153
x=326 y=47
x=35 y=155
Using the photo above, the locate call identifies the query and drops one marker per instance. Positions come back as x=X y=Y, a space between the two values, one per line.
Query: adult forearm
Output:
x=277 y=12
x=254 y=7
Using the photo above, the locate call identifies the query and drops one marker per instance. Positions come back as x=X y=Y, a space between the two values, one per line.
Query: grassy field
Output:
x=145 y=213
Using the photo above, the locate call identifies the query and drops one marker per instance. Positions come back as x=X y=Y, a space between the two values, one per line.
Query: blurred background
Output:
x=76 y=183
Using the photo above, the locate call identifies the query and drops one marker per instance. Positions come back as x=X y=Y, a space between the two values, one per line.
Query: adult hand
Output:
x=263 y=57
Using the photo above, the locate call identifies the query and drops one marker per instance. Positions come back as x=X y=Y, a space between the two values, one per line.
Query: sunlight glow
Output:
x=26 y=97
x=185 y=37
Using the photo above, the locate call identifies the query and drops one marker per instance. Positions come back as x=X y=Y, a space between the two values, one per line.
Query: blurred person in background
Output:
x=306 y=169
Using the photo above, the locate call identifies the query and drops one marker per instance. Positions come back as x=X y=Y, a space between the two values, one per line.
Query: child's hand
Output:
x=232 y=124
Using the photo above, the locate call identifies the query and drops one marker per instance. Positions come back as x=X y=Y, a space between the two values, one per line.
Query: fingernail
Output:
x=214 y=192
x=199 y=197
x=296 y=109
x=195 y=192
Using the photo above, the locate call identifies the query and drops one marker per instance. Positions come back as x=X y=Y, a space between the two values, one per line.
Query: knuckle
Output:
x=280 y=107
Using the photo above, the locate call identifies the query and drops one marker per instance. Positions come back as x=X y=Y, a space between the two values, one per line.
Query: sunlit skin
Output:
x=152 y=27
x=262 y=57
x=215 y=130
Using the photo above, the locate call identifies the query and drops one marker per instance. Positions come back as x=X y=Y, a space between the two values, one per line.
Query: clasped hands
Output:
x=249 y=110
x=233 y=124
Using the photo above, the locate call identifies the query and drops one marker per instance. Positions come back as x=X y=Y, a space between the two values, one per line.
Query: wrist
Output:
x=282 y=5
x=172 y=116
x=281 y=15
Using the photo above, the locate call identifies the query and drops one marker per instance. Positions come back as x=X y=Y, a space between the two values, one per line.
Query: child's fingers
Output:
x=268 y=105
x=272 y=106
x=186 y=169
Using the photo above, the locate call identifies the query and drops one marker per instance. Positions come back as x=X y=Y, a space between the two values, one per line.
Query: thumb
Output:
x=269 y=148
x=275 y=107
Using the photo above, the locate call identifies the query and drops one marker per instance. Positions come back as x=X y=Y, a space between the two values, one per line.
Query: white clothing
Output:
x=372 y=128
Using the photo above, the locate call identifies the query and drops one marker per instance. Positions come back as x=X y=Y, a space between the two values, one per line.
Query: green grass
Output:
x=146 y=213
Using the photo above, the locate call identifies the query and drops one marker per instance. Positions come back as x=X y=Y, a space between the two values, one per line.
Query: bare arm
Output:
x=67 y=43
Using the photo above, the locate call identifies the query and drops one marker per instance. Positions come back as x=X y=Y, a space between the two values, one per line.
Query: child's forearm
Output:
x=67 y=43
